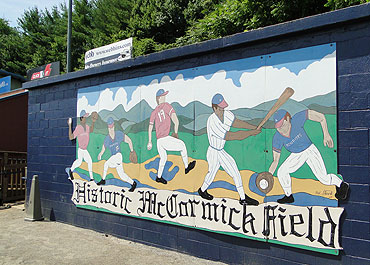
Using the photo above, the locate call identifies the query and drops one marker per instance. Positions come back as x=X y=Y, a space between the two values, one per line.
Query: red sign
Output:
x=44 y=71
x=42 y=74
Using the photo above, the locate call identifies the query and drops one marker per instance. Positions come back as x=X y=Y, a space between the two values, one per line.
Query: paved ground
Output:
x=48 y=242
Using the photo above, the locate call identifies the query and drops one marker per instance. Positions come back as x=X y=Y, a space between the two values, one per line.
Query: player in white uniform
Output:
x=218 y=130
x=162 y=116
x=292 y=135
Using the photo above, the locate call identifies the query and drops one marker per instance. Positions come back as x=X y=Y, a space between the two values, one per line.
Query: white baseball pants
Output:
x=170 y=143
x=217 y=158
x=313 y=158
x=83 y=155
x=115 y=161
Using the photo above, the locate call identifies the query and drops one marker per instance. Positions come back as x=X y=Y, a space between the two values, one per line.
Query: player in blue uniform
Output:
x=113 y=142
x=291 y=135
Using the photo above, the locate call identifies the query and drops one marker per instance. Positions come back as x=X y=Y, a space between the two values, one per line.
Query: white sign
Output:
x=312 y=226
x=111 y=53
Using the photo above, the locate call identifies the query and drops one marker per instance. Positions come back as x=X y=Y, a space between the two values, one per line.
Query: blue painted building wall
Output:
x=53 y=100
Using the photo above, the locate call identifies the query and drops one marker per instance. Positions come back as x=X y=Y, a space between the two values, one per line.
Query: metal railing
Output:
x=13 y=169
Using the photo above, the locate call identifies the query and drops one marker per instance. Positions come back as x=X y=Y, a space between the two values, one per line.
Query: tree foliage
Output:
x=337 y=4
x=11 y=49
x=155 y=25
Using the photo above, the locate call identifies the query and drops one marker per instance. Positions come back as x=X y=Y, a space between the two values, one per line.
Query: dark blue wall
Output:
x=53 y=100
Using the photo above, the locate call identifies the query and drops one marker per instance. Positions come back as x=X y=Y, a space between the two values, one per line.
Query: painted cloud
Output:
x=264 y=84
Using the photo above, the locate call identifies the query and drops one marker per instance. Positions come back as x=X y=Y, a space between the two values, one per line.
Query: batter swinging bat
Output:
x=288 y=92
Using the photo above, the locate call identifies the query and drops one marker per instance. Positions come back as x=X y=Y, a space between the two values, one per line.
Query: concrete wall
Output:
x=53 y=100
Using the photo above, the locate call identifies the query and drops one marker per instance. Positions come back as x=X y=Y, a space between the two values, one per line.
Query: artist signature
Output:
x=325 y=192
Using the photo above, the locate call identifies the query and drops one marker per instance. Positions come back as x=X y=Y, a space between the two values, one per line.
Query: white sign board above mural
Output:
x=112 y=53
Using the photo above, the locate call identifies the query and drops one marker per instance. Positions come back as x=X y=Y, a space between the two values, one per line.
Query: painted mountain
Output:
x=324 y=103
x=138 y=113
x=137 y=118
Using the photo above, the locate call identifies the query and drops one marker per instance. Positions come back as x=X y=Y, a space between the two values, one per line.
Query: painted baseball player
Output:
x=218 y=131
x=291 y=135
x=113 y=142
x=162 y=116
x=82 y=133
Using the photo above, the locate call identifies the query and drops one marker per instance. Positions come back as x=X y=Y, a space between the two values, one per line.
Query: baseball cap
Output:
x=110 y=122
x=279 y=117
x=161 y=92
x=84 y=114
x=219 y=100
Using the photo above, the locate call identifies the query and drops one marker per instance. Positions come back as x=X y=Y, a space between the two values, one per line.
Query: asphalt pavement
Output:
x=47 y=242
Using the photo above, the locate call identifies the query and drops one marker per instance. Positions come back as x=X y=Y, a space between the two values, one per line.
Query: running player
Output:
x=113 y=142
x=218 y=130
x=162 y=116
x=292 y=135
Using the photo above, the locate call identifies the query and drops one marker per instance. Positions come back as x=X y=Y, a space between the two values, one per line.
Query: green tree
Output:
x=82 y=32
x=155 y=25
x=337 y=4
x=197 y=9
x=12 y=56
x=111 y=19
x=233 y=16
x=161 y=20
x=43 y=34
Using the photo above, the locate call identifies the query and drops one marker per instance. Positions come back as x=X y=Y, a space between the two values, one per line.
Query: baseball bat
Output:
x=288 y=92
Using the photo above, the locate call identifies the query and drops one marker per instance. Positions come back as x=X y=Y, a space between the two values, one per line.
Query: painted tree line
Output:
x=155 y=25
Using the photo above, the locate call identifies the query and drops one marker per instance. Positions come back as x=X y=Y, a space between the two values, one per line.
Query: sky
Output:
x=244 y=82
x=11 y=10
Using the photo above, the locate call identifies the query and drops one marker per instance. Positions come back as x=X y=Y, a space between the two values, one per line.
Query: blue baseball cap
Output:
x=84 y=114
x=279 y=117
x=219 y=100
x=110 y=122
x=161 y=92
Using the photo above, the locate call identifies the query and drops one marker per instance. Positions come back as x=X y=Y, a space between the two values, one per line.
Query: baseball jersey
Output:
x=83 y=135
x=114 y=145
x=161 y=116
x=217 y=129
x=298 y=140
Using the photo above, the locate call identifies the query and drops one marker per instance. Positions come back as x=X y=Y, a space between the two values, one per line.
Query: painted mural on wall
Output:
x=244 y=147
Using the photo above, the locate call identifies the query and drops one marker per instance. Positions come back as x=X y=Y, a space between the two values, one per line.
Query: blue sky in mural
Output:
x=91 y=93
x=300 y=59
x=294 y=60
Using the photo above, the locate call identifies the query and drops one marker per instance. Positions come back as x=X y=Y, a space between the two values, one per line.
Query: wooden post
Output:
x=5 y=177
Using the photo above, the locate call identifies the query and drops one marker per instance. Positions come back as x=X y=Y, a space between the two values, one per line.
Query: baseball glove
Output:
x=175 y=135
x=133 y=157
x=265 y=182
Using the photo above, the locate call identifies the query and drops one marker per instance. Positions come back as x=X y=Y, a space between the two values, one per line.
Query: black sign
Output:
x=44 y=71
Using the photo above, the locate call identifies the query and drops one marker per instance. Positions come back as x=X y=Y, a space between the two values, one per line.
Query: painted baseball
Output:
x=263 y=184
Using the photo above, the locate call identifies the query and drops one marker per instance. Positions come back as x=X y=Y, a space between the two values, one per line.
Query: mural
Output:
x=244 y=147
